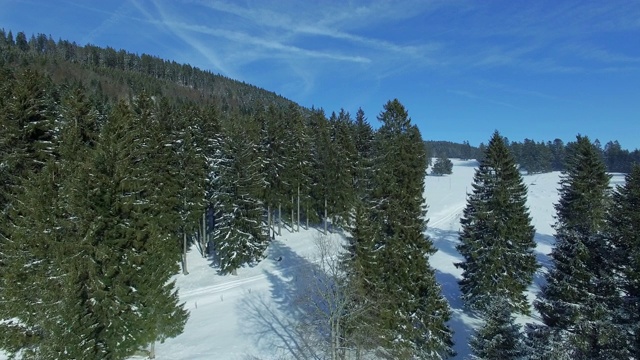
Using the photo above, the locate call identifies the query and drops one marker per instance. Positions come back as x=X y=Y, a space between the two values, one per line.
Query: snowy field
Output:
x=238 y=317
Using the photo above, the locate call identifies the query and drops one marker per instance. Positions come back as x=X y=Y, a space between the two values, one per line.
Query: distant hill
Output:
x=117 y=74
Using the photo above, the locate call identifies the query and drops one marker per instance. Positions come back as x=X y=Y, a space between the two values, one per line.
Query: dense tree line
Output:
x=539 y=157
x=450 y=149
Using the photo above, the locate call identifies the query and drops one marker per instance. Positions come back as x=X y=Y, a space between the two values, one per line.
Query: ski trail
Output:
x=447 y=216
x=228 y=285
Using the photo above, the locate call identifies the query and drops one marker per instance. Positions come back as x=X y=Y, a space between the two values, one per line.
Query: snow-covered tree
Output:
x=496 y=240
x=623 y=223
x=499 y=338
x=580 y=291
x=411 y=317
x=240 y=237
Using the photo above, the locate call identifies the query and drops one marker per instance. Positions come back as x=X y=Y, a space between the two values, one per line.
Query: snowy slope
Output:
x=234 y=317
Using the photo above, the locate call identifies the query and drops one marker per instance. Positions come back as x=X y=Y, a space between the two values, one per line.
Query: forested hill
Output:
x=119 y=74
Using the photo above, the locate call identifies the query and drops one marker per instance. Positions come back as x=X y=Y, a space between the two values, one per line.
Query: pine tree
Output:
x=500 y=337
x=341 y=193
x=623 y=231
x=443 y=166
x=296 y=164
x=496 y=241
x=323 y=157
x=363 y=142
x=413 y=323
x=240 y=237
x=124 y=256
x=541 y=343
x=580 y=290
x=27 y=146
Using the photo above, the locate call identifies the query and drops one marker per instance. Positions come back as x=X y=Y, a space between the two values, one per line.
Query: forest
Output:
x=114 y=165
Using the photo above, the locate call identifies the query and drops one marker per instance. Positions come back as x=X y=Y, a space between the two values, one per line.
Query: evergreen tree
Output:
x=363 y=142
x=500 y=337
x=541 y=343
x=496 y=241
x=296 y=163
x=557 y=154
x=324 y=157
x=413 y=323
x=27 y=146
x=624 y=233
x=580 y=290
x=443 y=166
x=240 y=237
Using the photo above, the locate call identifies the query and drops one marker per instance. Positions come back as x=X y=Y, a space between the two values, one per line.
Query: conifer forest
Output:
x=116 y=167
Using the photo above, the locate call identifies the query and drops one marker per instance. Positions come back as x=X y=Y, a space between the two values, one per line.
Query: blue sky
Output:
x=530 y=69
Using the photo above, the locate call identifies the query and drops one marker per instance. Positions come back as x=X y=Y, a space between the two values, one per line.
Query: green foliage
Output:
x=580 y=292
x=534 y=157
x=240 y=237
x=499 y=337
x=623 y=223
x=443 y=166
x=496 y=240
x=452 y=150
x=390 y=251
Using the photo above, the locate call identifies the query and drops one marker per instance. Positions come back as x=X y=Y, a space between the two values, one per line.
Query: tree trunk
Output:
x=292 y=215
x=203 y=234
x=325 y=216
x=298 y=208
x=152 y=350
x=184 y=253
x=279 y=219
x=307 y=219
x=269 y=220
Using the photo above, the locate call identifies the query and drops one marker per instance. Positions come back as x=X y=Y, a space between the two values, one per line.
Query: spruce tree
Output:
x=27 y=146
x=363 y=142
x=541 y=343
x=240 y=237
x=412 y=320
x=500 y=337
x=496 y=240
x=580 y=289
x=623 y=231
x=126 y=255
x=443 y=166
x=296 y=164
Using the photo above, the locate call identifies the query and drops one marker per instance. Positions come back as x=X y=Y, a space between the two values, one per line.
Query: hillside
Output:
x=120 y=74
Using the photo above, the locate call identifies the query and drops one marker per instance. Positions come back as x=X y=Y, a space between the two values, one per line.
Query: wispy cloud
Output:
x=321 y=23
x=122 y=12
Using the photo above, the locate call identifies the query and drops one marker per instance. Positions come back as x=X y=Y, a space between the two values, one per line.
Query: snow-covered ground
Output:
x=236 y=317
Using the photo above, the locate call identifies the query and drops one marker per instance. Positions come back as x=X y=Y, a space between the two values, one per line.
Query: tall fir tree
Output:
x=577 y=299
x=240 y=237
x=412 y=321
x=125 y=256
x=623 y=231
x=27 y=146
x=496 y=240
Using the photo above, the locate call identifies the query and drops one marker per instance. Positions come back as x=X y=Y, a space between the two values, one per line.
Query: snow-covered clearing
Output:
x=251 y=314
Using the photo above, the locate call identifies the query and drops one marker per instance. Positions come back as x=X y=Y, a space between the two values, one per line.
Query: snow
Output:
x=251 y=314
